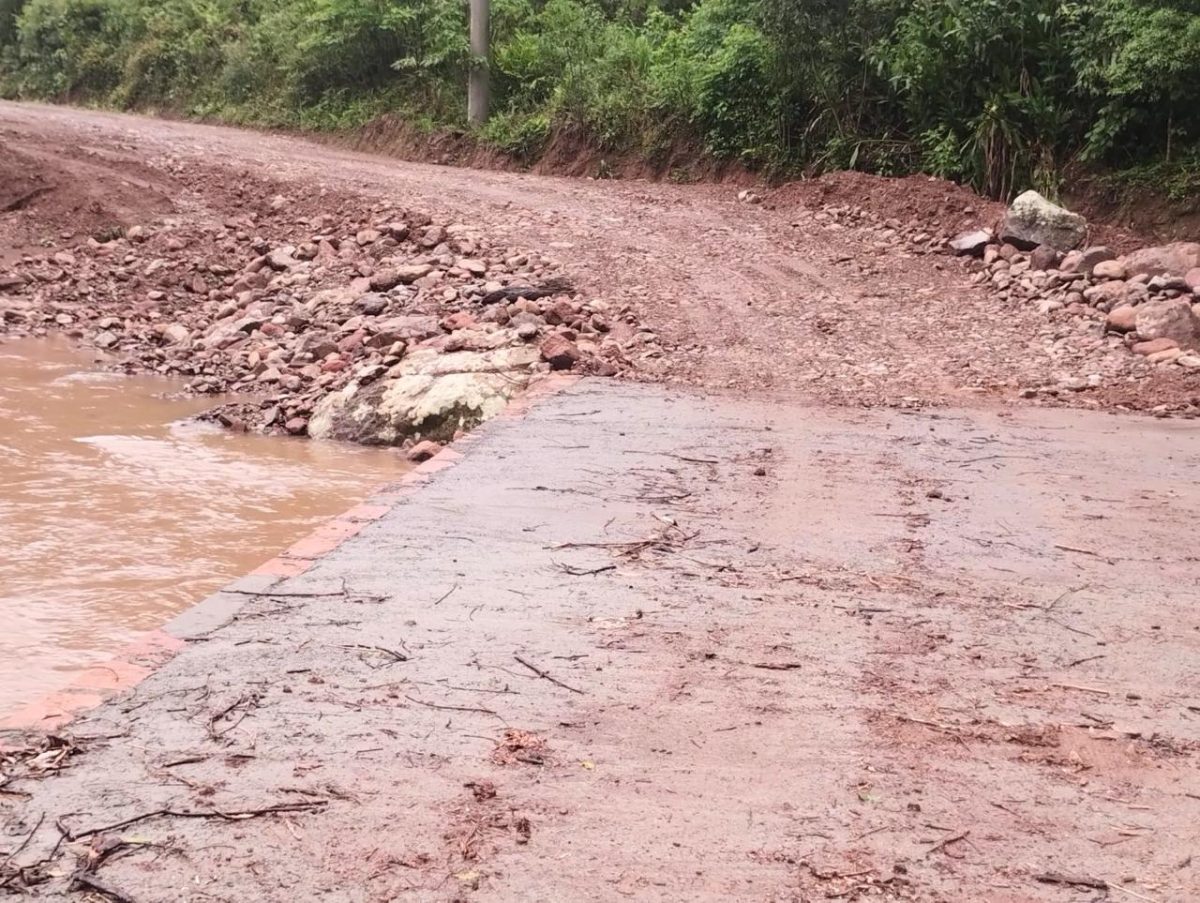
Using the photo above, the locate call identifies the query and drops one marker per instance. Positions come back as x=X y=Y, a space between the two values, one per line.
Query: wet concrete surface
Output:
x=647 y=645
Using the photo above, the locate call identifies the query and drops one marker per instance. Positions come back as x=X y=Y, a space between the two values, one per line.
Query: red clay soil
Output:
x=729 y=294
x=54 y=191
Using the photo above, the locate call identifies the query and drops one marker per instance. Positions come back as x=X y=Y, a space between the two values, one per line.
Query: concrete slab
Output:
x=647 y=645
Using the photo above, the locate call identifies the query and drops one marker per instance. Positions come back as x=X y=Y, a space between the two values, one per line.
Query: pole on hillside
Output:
x=479 y=90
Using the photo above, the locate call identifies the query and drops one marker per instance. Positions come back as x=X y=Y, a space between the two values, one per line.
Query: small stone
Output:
x=560 y=353
x=1171 y=319
x=473 y=266
x=386 y=280
x=1154 y=346
x=424 y=450
x=105 y=339
x=457 y=321
x=971 y=244
x=367 y=237
x=1122 y=319
x=297 y=426
x=1109 y=269
x=176 y=334
x=1044 y=257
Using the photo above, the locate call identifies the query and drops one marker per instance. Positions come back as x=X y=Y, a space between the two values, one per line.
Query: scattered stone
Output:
x=1122 y=319
x=1109 y=269
x=1175 y=259
x=1172 y=319
x=560 y=353
x=423 y=451
x=1032 y=220
x=1044 y=257
x=1154 y=346
x=972 y=244
x=176 y=334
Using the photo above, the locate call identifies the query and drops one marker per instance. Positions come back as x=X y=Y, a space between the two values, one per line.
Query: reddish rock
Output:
x=352 y=342
x=423 y=451
x=406 y=275
x=1192 y=278
x=1176 y=259
x=1109 y=269
x=1173 y=319
x=460 y=320
x=1122 y=319
x=560 y=353
x=297 y=426
x=1154 y=346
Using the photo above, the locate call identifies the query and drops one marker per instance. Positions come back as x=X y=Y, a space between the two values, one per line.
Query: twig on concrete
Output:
x=24 y=843
x=1095 y=690
x=453 y=708
x=91 y=881
x=942 y=844
x=447 y=595
x=545 y=676
x=776 y=666
x=237 y=815
x=585 y=572
x=1071 y=880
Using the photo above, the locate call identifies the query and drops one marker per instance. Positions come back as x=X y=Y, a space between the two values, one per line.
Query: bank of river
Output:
x=116 y=512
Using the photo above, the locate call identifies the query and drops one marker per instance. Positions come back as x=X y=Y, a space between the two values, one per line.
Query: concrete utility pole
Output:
x=479 y=90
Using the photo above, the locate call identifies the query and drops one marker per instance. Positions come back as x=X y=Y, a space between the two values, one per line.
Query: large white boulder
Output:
x=1032 y=220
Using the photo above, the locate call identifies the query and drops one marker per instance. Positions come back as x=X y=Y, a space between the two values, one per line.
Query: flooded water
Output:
x=115 y=514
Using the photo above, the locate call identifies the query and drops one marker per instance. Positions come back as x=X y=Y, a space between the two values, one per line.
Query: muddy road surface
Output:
x=820 y=608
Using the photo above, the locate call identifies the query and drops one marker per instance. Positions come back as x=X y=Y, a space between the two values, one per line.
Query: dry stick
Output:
x=271 y=595
x=447 y=595
x=91 y=881
x=942 y=844
x=1095 y=690
x=24 y=843
x=1078 y=551
x=542 y=674
x=781 y=666
x=452 y=708
x=582 y=572
x=1071 y=880
x=185 y=813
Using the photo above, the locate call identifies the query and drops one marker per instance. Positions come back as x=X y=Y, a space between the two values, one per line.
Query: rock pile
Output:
x=1148 y=297
x=379 y=326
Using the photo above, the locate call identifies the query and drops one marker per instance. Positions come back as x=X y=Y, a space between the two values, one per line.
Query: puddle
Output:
x=115 y=514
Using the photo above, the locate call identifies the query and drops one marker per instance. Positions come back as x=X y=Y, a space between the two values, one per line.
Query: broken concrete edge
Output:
x=153 y=649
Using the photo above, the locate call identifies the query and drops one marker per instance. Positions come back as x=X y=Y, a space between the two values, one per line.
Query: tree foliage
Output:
x=1000 y=93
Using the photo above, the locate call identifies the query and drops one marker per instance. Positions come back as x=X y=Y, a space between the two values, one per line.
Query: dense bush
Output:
x=1000 y=93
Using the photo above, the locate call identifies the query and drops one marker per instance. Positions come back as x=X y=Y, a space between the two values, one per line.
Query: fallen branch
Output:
x=777 y=666
x=238 y=815
x=585 y=572
x=1071 y=880
x=453 y=708
x=91 y=881
x=942 y=844
x=24 y=843
x=545 y=676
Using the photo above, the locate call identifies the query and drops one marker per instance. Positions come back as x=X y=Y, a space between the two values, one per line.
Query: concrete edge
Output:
x=151 y=650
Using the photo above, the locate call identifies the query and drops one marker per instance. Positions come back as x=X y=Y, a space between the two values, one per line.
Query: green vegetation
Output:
x=998 y=93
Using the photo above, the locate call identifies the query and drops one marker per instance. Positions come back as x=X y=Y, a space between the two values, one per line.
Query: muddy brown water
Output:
x=116 y=512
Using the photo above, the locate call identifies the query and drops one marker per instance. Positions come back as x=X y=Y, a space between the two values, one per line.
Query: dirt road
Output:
x=724 y=641
x=743 y=296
